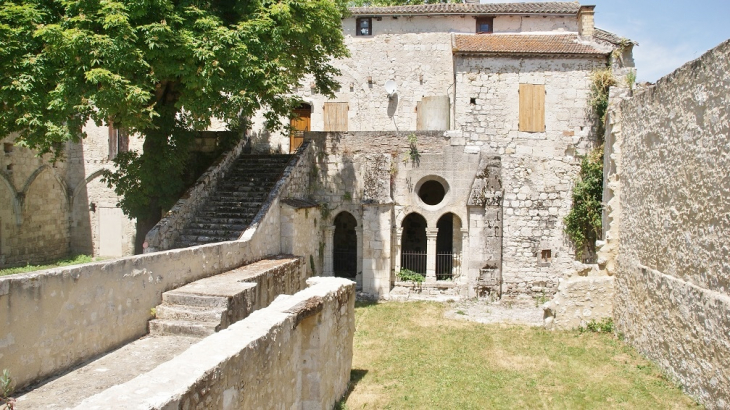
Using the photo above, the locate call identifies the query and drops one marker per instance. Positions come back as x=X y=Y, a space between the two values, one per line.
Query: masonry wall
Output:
x=673 y=277
x=297 y=353
x=54 y=319
x=538 y=169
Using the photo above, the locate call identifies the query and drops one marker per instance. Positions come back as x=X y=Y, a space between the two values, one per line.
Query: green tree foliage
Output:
x=583 y=223
x=361 y=3
x=160 y=68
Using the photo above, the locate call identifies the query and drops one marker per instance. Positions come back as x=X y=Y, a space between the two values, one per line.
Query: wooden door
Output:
x=299 y=125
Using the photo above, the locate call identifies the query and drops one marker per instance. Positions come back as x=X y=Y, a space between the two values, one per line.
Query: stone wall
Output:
x=297 y=353
x=54 y=319
x=673 y=277
x=538 y=169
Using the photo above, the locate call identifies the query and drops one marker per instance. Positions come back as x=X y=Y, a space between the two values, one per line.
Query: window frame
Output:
x=118 y=140
x=370 y=26
x=482 y=20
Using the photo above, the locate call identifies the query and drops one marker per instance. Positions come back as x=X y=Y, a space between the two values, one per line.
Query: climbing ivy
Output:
x=583 y=223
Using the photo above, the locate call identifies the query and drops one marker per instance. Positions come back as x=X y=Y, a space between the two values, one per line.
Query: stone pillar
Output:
x=329 y=235
x=396 y=246
x=376 y=250
x=431 y=234
x=464 y=277
x=358 y=277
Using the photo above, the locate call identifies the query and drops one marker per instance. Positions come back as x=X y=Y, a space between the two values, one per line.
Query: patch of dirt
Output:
x=483 y=311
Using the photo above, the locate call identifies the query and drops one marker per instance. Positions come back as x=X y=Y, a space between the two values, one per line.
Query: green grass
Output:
x=71 y=260
x=408 y=356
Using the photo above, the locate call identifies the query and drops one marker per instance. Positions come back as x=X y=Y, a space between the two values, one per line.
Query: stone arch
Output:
x=37 y=173
x=448 y=246
x=344 y=249
x=15 y=199
x=81 y=185
x=414 y=244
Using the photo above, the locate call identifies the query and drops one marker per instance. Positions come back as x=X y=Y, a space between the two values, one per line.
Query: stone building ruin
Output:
x=461 y=169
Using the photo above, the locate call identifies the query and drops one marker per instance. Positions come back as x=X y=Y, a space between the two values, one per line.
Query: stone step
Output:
x=162 y=327
x=217 y=219
x=189 y=299
x=190 y=313
x=219 y=232
x=200 y=224
x=202 y=239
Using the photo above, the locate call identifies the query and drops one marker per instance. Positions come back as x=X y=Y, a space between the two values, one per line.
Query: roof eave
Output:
x=529 y=54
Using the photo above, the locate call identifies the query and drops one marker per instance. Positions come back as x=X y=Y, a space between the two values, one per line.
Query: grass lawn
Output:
x=71 y=260
x=408 y=356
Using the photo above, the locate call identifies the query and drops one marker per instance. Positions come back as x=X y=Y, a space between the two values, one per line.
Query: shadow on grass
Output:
x=355 y=376
x=365 y=303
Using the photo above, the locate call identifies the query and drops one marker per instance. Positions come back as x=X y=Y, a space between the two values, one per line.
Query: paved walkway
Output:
x=116 y=367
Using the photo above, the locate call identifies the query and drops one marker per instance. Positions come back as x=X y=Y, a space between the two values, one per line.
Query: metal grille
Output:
x=415 y=261
x=448 y=265
x=344 y=263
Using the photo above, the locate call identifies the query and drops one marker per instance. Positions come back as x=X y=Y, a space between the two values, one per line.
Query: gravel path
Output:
x=482 y=311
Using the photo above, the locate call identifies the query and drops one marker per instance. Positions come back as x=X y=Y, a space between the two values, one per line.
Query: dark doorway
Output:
x=414 y=244
x=344 y=250
x=448 y=247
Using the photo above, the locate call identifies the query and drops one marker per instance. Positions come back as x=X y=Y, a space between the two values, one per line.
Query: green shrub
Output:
x=407 y=275
x=583 y=222
x=604 y=326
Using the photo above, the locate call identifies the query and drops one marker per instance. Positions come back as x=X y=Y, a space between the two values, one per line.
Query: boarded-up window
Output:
x=532 y=107
x=118 y=140
x=335 y=116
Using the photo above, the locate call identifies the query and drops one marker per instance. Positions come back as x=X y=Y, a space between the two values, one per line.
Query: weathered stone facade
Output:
x=672 y=273
x=52 y=209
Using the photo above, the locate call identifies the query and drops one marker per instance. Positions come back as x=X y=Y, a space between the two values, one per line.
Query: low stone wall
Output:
x=54 y=319
x=673 y=277
x=579 y=300
x=297 y=353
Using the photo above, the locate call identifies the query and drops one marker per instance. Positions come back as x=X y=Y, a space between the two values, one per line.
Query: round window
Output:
x=432 y=192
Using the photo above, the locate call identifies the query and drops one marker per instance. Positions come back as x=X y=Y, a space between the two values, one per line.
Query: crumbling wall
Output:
x=673 y=277
x=296 y=353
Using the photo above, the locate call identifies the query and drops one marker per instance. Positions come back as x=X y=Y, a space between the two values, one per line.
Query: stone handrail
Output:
x=165 y=232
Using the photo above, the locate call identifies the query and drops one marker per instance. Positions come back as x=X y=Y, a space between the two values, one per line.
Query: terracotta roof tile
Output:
x=612 y=38
x=554 y=7
x=526 y=44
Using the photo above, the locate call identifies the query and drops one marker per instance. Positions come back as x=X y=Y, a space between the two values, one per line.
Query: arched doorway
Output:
x=448 y=247
x=344 y=246
x=299 y=124
x=414 y=244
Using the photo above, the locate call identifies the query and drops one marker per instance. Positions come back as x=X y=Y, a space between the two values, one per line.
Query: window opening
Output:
x=8 y=147
x=118 y=140
x=432 y=192
x=532 y=108
x=546 y=256
x=485 y=25
x=344 y=251
x=473 y=101
x=414 y=244
x=364 y=26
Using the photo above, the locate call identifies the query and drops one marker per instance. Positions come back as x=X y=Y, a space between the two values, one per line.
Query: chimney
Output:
x=586 y=25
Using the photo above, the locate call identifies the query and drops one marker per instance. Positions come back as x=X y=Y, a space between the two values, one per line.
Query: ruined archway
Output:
x=344 y=246
x=448 y=247
x=414 y=243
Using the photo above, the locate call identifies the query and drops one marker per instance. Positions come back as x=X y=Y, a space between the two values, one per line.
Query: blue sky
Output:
x=669 y=33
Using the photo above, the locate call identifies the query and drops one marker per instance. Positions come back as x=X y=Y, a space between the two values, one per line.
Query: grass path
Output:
x=408 y=356
x=71 y=260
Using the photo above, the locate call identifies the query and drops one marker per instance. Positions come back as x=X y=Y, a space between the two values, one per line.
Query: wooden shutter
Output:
x=532 y=107
x=335 y=116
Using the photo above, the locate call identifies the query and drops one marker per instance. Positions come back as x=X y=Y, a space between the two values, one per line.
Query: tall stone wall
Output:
x=294 y=354
x=673 y=277
x=538 y=168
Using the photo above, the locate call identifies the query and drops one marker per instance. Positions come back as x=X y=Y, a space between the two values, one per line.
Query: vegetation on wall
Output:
x=161 y=70
x=583 y=223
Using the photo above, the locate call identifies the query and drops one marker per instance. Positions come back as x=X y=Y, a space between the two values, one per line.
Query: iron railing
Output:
x=414 y=261
x=448 y=265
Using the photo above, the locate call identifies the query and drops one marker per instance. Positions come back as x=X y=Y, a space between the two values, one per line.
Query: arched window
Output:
x=414 y=244
x=344 y=246
x=448 y=247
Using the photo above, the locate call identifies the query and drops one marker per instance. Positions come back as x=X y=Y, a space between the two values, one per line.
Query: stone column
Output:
x=398 y=236
x=358 y=277
x=329 y=235
x=464 y=255
x=376 y=249
x=431 y=234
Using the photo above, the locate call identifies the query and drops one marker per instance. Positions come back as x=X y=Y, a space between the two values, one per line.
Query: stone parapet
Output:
x=296 y=353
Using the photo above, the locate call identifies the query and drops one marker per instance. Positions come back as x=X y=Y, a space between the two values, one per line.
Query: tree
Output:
x=361 y=3
x=159 y=68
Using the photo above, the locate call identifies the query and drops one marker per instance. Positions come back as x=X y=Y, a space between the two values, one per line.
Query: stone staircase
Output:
x=236 y=201
x=209 y=305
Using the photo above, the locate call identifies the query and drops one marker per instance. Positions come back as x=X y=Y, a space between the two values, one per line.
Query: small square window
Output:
x=364 y=26
x=485 y=25
x=546 y=256
x=8 y=147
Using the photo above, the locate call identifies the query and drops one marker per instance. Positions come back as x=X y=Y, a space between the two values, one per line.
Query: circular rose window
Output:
x=432 y=192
